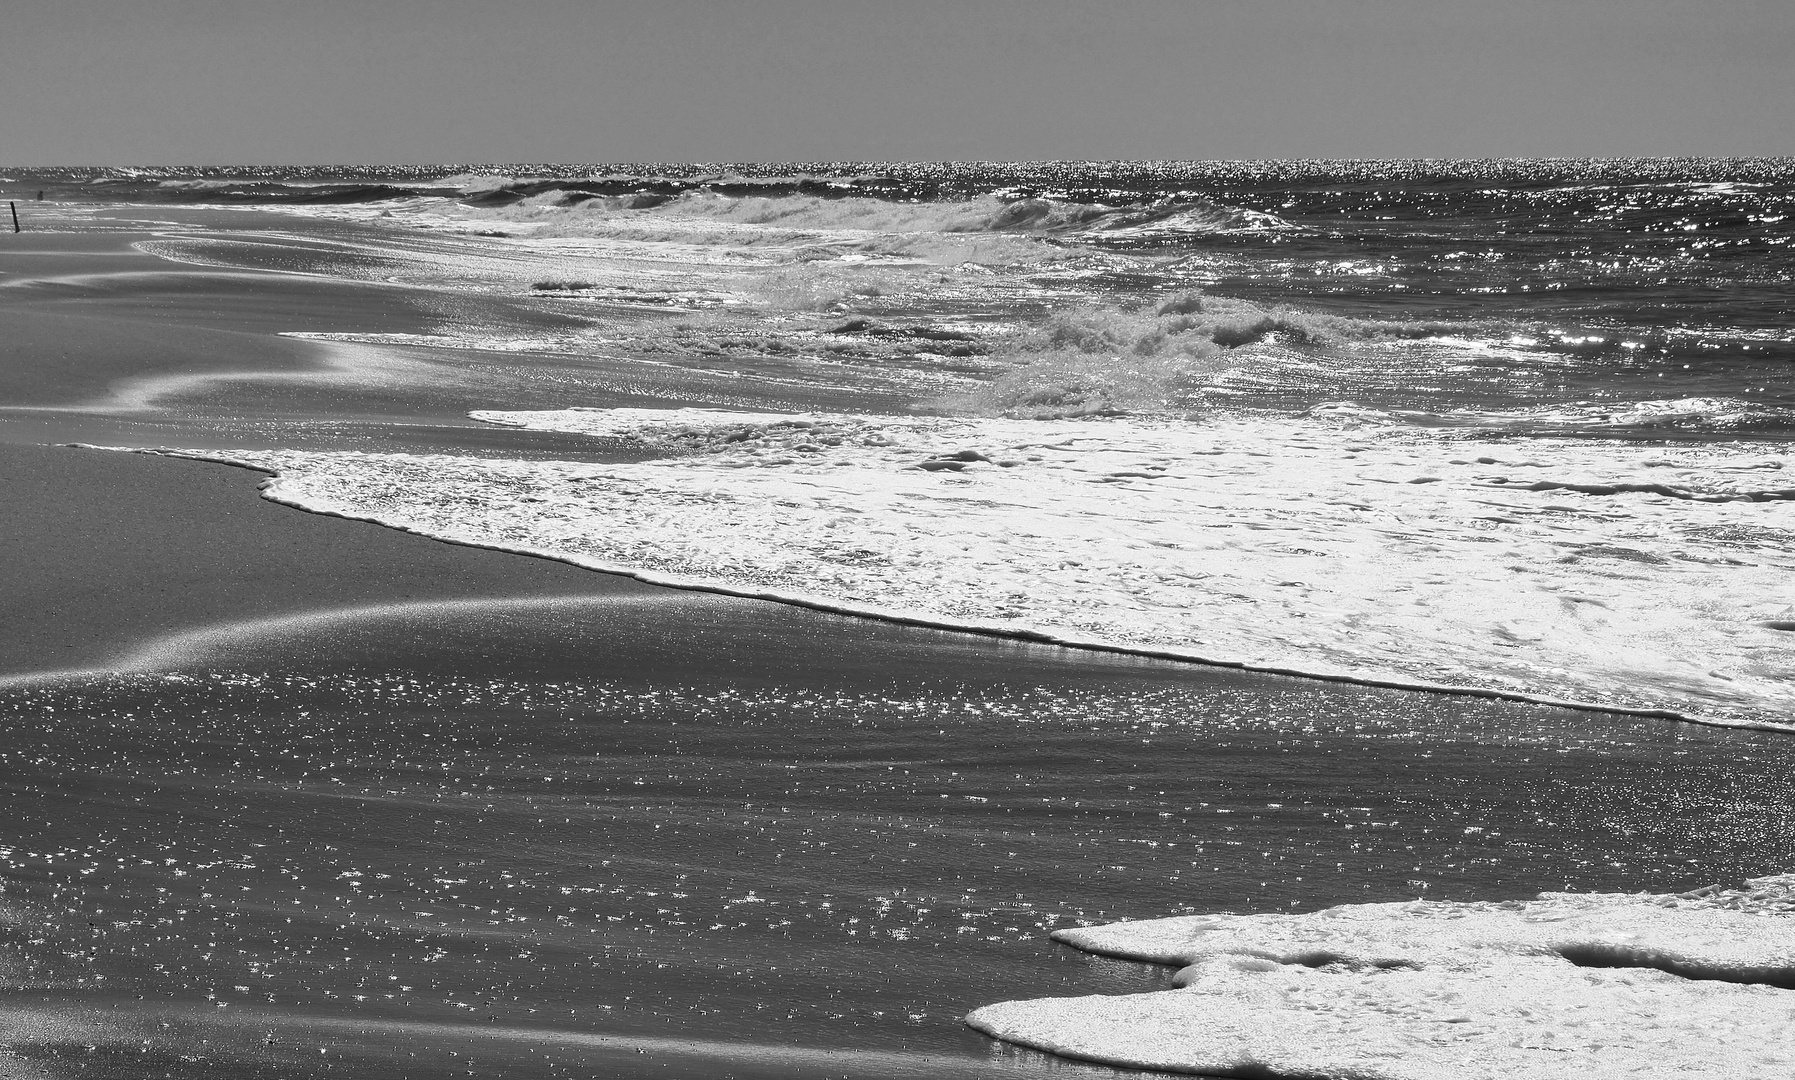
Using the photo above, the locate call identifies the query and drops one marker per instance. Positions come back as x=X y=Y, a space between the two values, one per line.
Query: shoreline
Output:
x=95 y=281
x=719 y=801
x=115 y=552
x=151 y=526
x=269 y=491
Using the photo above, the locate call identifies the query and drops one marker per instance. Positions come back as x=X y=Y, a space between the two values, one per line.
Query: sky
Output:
x=345 y=81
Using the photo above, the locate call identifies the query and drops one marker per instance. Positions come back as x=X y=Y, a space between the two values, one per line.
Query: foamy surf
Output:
x=1590 y=573
x=780 y=212
x=1591 y=985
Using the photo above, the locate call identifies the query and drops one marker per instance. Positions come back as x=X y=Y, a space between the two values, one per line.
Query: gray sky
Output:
x=249 y=81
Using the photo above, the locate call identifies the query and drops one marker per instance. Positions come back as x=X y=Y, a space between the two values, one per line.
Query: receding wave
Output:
x=1552 y=570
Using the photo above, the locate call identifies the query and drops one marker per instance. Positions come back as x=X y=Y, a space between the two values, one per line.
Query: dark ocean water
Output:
x=534 y=842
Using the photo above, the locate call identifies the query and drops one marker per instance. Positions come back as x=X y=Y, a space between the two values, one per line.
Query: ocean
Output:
x=1147 y=538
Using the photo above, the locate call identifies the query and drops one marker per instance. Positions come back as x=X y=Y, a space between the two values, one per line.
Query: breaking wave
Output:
x=1110 y=360
x=999 y=212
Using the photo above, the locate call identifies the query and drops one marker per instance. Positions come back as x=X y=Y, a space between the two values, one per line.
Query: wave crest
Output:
x=794 y=217
x=1098 y=360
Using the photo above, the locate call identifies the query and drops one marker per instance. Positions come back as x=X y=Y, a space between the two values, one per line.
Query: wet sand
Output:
x=84 y=312
x=113 y=550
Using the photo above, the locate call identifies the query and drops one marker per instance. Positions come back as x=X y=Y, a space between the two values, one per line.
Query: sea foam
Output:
x=1585 y=572
x=998 y=212
x=1602 y=985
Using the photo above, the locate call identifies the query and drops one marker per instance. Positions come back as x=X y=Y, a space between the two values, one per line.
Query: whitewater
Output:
x=1619 y=576
x=1597 y=985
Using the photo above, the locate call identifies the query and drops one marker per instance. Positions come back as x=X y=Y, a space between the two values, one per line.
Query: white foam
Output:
x=784 y=218
x=1445 y=991
x=704 y=229
x=1379 y=554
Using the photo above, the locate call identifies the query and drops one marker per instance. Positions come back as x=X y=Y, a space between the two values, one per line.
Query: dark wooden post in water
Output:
x=15 y=214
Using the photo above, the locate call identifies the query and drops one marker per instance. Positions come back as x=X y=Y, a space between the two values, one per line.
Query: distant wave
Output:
x=872 y=201
x=569 y=206
x=196 y=185
x=252 y=191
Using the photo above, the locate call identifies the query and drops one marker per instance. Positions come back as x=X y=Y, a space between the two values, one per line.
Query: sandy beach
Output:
x=965 y=541
x=135 y=562
x=311 y=789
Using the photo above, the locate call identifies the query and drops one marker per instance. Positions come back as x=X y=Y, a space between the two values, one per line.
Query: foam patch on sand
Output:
x=1582 y=571
x=1567 y=985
